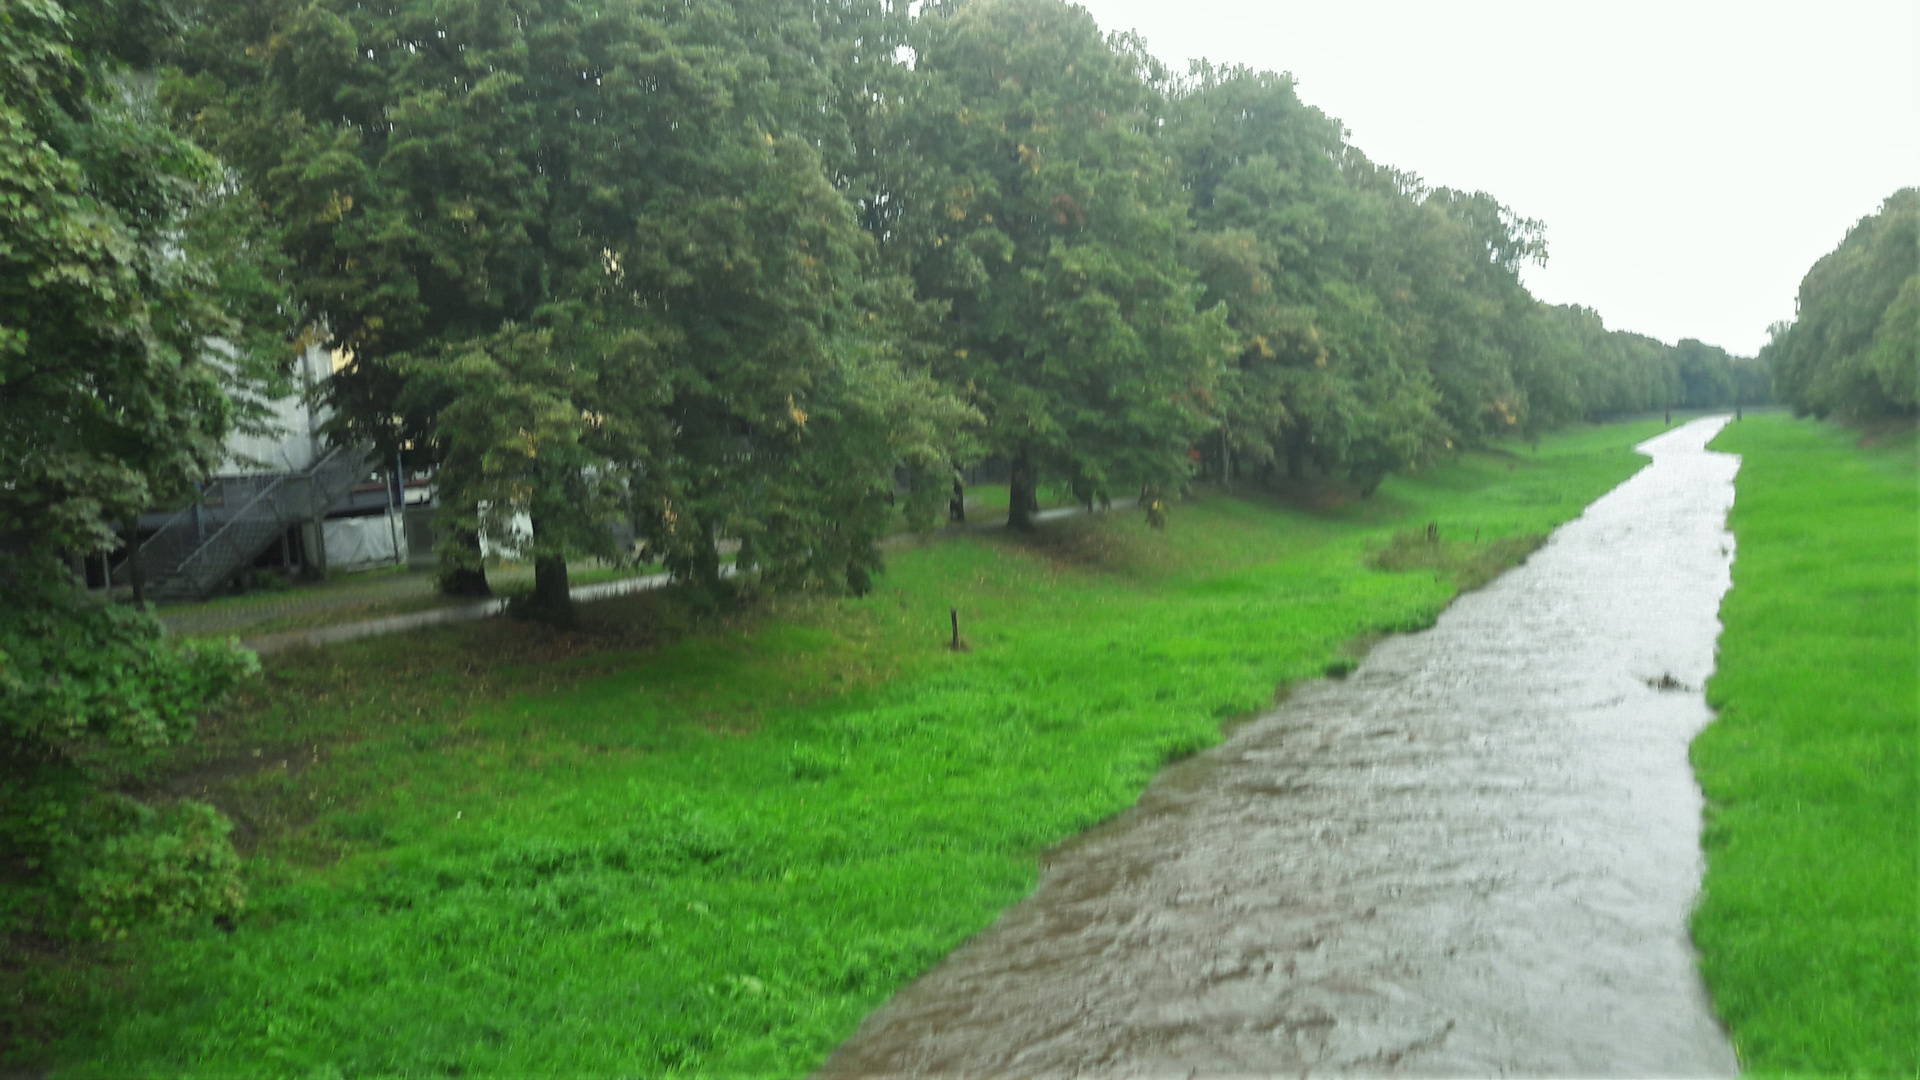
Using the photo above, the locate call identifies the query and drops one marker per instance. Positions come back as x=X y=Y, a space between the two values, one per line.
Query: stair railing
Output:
x=190 y=555
x=278 y=505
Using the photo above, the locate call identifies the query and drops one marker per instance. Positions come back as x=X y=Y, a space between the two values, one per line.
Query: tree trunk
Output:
x=957 y=505
x=551 y=597
x=552 y=600
x=1023 y=493
x=466 y=575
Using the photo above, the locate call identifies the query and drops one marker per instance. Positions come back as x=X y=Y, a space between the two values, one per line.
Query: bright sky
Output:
x=1690 y=159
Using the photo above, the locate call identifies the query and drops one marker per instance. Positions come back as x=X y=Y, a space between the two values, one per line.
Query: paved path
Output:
x=420 y=584
x=1473 y=857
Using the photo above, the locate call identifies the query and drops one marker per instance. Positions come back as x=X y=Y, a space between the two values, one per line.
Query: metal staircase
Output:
x=199 y=549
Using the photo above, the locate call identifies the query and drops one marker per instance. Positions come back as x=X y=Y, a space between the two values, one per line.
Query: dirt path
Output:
x=1475 y=856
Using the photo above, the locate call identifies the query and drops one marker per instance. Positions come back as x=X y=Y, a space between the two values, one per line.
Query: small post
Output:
x=954 y=613
x=317 y=558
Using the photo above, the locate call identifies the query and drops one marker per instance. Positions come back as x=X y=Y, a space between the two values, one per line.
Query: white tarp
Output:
x=519 y=538
x=363 y=543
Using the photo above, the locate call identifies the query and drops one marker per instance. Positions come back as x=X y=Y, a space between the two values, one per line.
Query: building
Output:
x=284 y=501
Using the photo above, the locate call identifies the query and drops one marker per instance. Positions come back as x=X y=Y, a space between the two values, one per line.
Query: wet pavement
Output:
x=1474 y=856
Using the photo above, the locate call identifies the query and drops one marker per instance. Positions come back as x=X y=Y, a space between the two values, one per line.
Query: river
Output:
x=1474 y=856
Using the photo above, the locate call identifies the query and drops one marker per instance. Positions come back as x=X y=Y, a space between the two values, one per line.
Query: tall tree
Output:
x=1325 y=382
x=592 y=257
x=1034 y=204
x=122 y=299
x=1852 y=346
x=1464 y=265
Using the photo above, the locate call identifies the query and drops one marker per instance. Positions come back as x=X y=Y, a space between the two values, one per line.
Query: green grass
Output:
x=710 y=842
x=1807 y=926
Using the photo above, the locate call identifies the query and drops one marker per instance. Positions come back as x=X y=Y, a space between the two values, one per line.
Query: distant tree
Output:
x=1035 y=206
x=132 y=302
x=1752 y=381
x=1851 y=349
x=1463 y=264
x=1706 y=375
x=1324 y=380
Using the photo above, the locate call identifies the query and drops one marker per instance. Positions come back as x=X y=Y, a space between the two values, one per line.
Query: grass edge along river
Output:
x=706 y=843
x=1810 y=910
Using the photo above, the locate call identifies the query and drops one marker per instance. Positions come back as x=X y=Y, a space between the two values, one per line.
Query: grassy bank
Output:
x=1808 y=923
x=709 y=843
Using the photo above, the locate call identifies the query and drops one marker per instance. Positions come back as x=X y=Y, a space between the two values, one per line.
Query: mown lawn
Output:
x=1811 y=910
x=709 y=842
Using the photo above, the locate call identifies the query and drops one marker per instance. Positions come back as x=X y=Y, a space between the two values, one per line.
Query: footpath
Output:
x=394 y=588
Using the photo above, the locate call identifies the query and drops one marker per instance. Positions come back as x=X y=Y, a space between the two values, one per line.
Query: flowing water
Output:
x=1474 y=856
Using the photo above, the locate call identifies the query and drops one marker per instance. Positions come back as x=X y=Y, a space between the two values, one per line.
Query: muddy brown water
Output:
x=1474 y=856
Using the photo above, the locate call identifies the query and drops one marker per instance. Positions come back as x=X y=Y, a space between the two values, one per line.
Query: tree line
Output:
x=763 y=273
x=1853 y=349
x=724 y=271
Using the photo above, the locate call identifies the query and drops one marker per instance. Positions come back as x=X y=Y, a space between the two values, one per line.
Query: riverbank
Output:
x=710 y=842
x=1473 y=856
x=1807 y=926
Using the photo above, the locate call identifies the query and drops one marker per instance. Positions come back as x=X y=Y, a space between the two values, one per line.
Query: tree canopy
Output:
x=591 y=257
x=137 y=316
x=673 y=264
x=1036 y=207
x=1852 y=348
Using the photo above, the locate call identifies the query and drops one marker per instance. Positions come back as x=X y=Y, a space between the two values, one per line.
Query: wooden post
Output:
x=954 y=613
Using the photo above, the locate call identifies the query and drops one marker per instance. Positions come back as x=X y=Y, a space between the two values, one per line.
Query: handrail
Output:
x=237 y=517
x=162 y=535
x=182 y=555
x=240 y=515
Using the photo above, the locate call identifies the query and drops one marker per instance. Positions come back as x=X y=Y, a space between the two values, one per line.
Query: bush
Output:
x=171 y=866
x=89 y=693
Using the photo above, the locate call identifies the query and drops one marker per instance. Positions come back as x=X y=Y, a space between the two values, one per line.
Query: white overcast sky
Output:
x=1690 y=160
